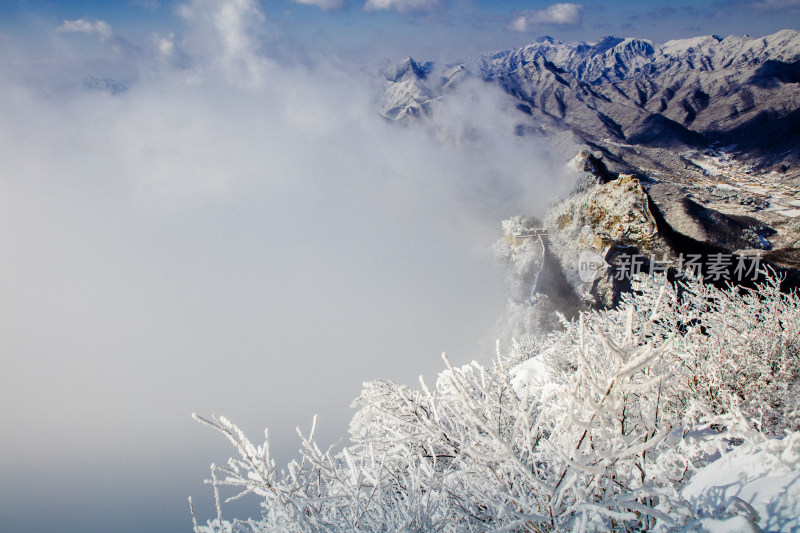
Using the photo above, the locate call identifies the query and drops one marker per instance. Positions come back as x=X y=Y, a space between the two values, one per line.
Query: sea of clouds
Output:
x=194 y=222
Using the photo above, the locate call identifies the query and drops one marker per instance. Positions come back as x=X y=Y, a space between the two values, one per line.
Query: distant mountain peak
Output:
x=606 y=43
x=394 y=71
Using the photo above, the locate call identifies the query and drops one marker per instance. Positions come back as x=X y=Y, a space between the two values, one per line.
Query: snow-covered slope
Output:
x=758 y=481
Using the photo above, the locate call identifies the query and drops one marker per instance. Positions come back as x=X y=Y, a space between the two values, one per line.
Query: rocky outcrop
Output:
x=614 y=225
x=522 y=253
x=598 y=223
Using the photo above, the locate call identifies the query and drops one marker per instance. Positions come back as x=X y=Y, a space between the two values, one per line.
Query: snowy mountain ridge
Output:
x=616 y=59
x=738 y=92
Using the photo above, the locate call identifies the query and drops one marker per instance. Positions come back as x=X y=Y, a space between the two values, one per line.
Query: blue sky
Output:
x=429 y=29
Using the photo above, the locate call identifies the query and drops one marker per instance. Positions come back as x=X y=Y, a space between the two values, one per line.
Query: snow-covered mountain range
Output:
x=709 y=126
x=740 y=92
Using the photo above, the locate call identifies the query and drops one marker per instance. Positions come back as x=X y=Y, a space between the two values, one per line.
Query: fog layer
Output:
x=190 y=224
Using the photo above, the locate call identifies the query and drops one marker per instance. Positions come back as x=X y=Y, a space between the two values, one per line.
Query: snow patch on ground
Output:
x=760 y=479
x=530 y=374
x=736 y=524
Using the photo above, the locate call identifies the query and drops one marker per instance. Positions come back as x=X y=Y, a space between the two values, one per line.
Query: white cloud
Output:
x=103 y=32
x=325 y=5
x=789 y=6
x=96 y=28
x=404 y=6
x=230 y=32
x=519 y=24
x=562 y=14
x=171 y=53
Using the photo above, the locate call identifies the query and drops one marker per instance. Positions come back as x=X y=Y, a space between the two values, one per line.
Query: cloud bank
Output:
x=404 y=6
x=563 y=14
x=325 y=5
x=777 y=6
x=224 y=233
x=95 y=28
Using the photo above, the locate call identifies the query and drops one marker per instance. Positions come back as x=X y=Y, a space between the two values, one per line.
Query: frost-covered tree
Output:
x=598 y=426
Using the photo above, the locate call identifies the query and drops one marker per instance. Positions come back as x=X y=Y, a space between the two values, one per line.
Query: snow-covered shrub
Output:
x=596 y=427
x=745 y=345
